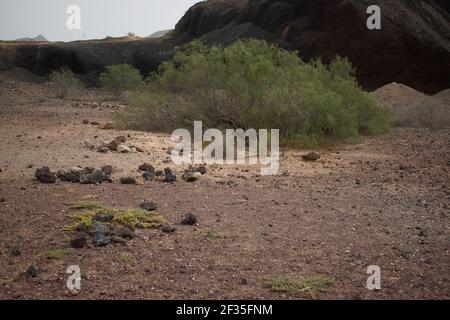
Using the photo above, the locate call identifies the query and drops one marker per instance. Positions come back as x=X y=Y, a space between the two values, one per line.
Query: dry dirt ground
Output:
x=384 y=202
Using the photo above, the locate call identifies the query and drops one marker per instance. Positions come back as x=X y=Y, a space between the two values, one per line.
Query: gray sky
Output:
x=99 y=18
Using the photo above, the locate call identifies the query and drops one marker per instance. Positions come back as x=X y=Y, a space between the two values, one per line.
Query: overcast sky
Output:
x=99 y=18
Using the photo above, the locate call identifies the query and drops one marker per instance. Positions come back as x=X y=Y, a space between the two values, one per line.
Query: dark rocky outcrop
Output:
x=413 y=46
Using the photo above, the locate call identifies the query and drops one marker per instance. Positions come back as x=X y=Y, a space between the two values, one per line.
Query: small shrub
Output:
x=312 y=286
x=65 y=83
x=210 y=235
x=57 y=253
x=120 y=78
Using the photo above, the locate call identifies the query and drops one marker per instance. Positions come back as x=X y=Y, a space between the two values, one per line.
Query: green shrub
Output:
x=254 y=84
x=65 y=83
x=120 y=78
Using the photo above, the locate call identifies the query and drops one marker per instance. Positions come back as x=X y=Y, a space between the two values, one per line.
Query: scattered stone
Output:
x=191 y=176
x=76 y=170
x=15 y=252
x=89 y=170
x=107 y=126
x=189 y=219
x=78 y=240
x=96 y=177
x=201 y=169
x=311 y=157
x=149 y=206
x=107 y=170
x=100 y=240
x=243 y=282
x=44 y=175
x=103 y=149
x=127 y=180
x=103 y=217
x=126 y=233
x=148 y=176
x=116 y=142
x=118 y=240
x=68 y=176
x=168 y=228
x=99 y=228
x=169 y=176
x=95 y=123
x=139 y=149
x=146 y=167
x=86 y=121
x=31 y=272
x=89 y=144
x=124 y=149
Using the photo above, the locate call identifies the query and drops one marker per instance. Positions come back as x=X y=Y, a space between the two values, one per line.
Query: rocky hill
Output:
x=413 y=46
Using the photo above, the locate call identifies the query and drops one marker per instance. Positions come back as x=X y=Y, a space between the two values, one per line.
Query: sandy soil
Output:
x=384 y=202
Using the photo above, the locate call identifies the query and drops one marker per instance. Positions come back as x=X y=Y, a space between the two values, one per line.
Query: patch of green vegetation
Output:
x=126 y=258
x=210 y=235
x=58 y=253
x=80 y=205
x=121 y=217
x=120 y=78
x=254 y=84
x=312 y=286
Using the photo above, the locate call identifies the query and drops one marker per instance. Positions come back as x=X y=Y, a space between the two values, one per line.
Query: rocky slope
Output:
x=413 y=46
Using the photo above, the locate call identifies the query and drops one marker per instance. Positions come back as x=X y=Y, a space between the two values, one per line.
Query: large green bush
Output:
x=120 y=78
x=253 y=84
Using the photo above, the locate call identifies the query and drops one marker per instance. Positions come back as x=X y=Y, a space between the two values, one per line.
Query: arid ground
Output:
x=384 y=202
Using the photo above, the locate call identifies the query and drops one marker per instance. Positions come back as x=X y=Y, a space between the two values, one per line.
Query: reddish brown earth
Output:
x=384 y=202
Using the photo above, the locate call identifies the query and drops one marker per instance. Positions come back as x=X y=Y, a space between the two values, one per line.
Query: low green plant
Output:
x=120 y=78
x=312 y=286
x=58 y=253
x=210 y=235
x=121 y=217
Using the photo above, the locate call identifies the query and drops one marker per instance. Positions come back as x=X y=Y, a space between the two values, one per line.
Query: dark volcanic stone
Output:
x=169 y=176
x=44 y=175
x=148 y=175
x=78 y=240
x=146 y=167
x=128 y=180
x=311 y=157
x=107 y=170
x=168 y=228
x=103 y=217
x=149 y=206
x=68 y=176
x=95 y=177
x=189 y=219
x=31 y=272
x=100 y=240
x=126 y=233
x=99 y=228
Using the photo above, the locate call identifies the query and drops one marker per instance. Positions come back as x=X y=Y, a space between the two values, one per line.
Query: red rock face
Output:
x=413 y=46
